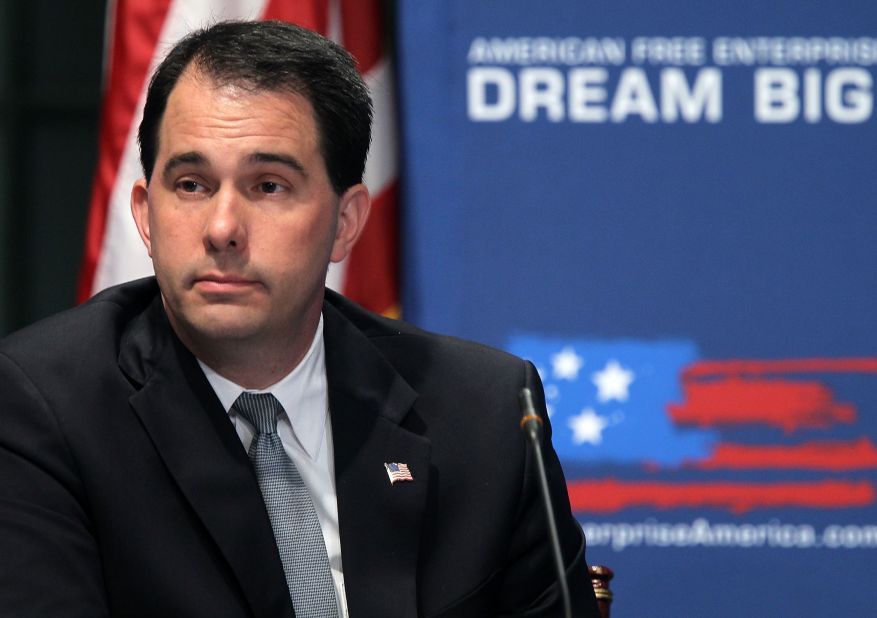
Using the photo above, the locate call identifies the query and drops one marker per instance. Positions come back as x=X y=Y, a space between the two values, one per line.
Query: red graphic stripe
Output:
x=833 y=456
x=706 y=369
x=135 y=32
x=780 y=403
x=610 y=496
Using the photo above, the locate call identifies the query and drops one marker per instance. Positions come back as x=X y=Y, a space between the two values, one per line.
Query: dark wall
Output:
x=50 y=77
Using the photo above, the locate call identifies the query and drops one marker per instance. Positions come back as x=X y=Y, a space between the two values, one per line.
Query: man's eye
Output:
x=189 y=186
x=271 y=187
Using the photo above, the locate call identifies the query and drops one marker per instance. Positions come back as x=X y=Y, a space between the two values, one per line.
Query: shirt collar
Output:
x=303 y=393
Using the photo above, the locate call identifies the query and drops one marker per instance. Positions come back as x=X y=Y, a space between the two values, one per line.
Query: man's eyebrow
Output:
x=272 y=157
x=174 y=162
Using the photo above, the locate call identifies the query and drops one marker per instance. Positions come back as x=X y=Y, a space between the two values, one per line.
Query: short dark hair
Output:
x=274 y=56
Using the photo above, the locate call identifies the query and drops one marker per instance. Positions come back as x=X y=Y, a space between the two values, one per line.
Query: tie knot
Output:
x=260 y=409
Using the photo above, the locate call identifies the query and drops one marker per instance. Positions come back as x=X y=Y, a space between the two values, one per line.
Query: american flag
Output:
x=398 y=472
x=651 y=424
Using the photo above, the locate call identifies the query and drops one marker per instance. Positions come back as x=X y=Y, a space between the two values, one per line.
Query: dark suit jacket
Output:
x=124 y=490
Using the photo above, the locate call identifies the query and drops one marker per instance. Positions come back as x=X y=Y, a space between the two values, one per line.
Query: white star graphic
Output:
x=588 y=427
x=566 y=364
x=612 y=382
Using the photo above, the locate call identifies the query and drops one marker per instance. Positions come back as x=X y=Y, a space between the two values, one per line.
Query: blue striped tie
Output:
x=293 y=518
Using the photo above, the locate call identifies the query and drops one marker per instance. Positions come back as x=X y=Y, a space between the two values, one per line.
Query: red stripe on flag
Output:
x=610 y=496
x=371 y=276
x=361 y=29
x=372 y=272
x=780 y=403
x=705 y=369
x=134 y=35
x=835 y=456
x=312 y=14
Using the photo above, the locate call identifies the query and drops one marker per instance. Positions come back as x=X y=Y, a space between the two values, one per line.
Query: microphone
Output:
x=531 y=425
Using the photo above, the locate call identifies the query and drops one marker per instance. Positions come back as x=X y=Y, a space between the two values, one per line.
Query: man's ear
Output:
x=140 y=210
x=352 y=215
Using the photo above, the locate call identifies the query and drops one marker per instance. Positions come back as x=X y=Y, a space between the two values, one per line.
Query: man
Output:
x=126 y=488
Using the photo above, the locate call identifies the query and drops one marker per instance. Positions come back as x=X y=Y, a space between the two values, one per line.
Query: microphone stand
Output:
x=531 y=425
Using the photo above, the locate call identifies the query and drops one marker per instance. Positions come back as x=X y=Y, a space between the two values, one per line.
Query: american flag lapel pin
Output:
x=398 y=472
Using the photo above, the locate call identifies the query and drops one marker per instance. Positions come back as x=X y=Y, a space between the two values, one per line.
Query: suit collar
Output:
x=371 y=407
x=191 y=432
x=357 y=369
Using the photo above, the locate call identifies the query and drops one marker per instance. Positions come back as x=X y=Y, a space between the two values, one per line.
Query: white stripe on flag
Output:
x=381 y=166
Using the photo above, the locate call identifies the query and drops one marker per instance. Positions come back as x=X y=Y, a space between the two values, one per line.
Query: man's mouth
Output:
x=223 y=284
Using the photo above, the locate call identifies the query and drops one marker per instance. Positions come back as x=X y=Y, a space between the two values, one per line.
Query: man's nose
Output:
x=225 y=227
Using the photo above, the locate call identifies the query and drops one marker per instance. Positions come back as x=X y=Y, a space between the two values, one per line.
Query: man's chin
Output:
x=227 y=332
x=225 y=329
x=218 y=324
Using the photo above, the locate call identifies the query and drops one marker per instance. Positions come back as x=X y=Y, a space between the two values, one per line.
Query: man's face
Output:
x=239 y=216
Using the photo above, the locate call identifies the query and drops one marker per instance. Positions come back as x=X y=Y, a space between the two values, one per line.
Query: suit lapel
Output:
x=191 y=432
x=380 y=523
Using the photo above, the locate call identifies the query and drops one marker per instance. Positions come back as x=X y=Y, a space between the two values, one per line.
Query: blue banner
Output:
x=670 y=209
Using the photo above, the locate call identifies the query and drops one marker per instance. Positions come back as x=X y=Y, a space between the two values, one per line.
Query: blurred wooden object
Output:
x=600 y=577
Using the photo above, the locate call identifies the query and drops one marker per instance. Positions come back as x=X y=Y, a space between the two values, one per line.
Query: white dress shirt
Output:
x=306 y=433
